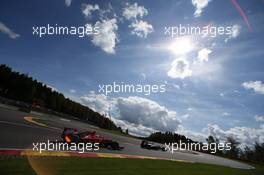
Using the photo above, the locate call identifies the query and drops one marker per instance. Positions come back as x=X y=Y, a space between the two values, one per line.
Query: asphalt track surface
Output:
x=17 y=133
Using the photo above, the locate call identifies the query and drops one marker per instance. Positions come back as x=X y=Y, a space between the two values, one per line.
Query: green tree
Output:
x=234 y=151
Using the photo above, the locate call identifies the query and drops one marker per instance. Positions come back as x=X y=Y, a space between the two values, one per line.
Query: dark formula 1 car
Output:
x=149 y=145
x=70 y=135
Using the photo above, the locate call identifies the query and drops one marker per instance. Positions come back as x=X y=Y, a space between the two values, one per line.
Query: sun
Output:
x=181 y=46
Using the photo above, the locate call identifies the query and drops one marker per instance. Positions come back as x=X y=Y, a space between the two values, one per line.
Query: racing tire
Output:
x=114 y=145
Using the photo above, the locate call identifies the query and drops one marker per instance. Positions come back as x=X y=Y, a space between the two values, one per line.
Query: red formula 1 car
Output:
x=70 y=135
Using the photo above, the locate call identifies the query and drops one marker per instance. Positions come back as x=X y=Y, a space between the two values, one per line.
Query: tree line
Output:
x=254 y=153
x=23 y=88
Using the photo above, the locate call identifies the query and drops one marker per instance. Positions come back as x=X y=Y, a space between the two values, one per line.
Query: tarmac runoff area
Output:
x=19 y=130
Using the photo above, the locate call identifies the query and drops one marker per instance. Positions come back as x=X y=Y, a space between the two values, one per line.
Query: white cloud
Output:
x=72 y=91
x=189 y=109
x=203 y=54
x=257 y=86
x=148 y=113
x=226 y=114
x=244 y=135
x=107 y=38
x=181 y=45
x=54 y=89
x=235 y=32
x=134 y=129
x=176 y=86
x=133 y=11
x=212 y=71
x=143 y=76
x=259 y=118
x=185 y=116
x=180 y=69
x=102 y=104
x=222 y=94
x=141 y=28
x=199 y=6
x=4 y=29
x=87 y=9
x=196 y=136
x=68 y=3
x=140 y=115
x=97 y=102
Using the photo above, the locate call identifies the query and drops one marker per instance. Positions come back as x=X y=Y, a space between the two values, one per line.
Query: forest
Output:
x=23 y=88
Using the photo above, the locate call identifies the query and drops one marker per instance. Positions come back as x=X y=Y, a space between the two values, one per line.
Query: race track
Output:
x=17 y=133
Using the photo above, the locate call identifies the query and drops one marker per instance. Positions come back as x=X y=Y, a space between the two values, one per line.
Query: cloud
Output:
x=235 y=32
x=143 y=76
x=180 y=69
x=87 y=9
x=131 y=12
x=181 y=45
x=54 y=89
x=257 y=86
x=203 y=54
x=68 y=3
x=142 y=111
x=176 y=86
x=244 y=135
x=141 y=28
x=226 y=114
x=259 y=118
x=196 y=136
x=185 y=116
x=72 y=91
x=199 y=6
x=4 y=29
x=97 y=102
x=134 y=129
x=189 y=109
x=107 y=38
x=211 y=72
x=140 y=115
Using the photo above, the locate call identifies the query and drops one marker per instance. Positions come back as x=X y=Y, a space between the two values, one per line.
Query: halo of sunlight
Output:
x=181 y=46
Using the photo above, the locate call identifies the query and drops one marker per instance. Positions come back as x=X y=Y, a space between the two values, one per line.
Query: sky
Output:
x=214 y=85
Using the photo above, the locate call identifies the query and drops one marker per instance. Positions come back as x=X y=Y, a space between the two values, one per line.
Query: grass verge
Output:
x=107 y=166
